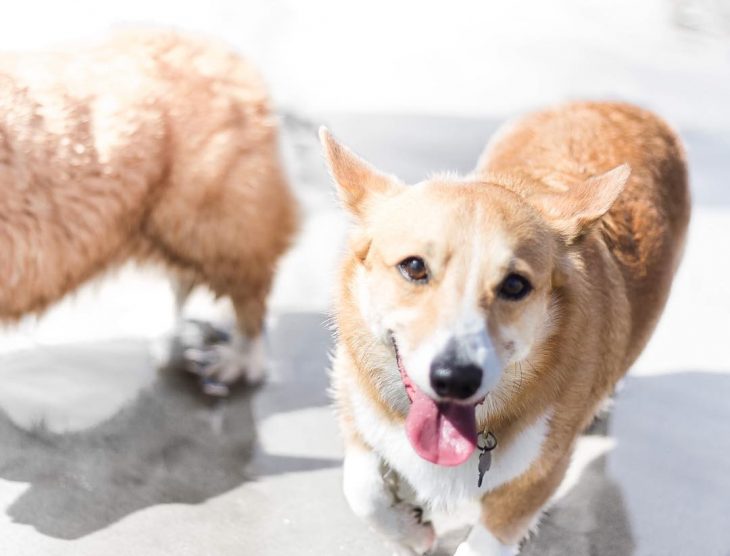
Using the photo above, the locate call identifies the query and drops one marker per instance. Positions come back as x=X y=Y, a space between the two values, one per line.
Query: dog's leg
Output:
x=248 y=339
x=227 y=362
x=185 y=334
x=244 y=354
x=230 y=225
x=511 y=511
x=241 y=228
x=371 y=500
x=182 y=287
x=219 y=357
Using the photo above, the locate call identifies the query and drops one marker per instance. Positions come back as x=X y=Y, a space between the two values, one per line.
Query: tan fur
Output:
x=152 y=146
x=550 y=198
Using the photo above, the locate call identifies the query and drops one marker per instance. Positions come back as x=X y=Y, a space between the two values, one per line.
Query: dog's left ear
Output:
x=575 y=210
x=359 y=185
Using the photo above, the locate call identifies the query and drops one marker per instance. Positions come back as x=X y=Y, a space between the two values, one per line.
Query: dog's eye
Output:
x=514 y=287
x=414 y=269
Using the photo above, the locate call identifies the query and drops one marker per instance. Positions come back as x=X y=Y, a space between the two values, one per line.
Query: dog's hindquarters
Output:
x=647 y=226
x=228 y=231
x=226 y=213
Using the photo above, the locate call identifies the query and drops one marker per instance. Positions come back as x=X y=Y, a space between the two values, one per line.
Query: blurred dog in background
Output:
x=153 y=147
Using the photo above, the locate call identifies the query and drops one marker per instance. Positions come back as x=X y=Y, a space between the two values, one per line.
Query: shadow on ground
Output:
x=169 y=445
x=591 y=519
x=663 y=487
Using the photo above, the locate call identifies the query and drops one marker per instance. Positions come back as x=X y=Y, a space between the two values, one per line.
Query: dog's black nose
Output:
x=454 y=380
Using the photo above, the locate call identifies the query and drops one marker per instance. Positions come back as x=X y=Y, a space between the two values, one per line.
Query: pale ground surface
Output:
x=101 y=454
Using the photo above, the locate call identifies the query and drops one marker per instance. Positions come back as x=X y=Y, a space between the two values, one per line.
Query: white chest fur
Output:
x=445 y=489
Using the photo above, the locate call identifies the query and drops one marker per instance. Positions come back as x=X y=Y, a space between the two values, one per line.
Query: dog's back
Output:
x=152 y=145
x=76 y=167
x=646 y=227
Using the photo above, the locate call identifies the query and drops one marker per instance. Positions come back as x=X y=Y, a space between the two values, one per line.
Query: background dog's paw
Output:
x=217 y=357
x=222 y=364
x=168 y=352
x=219 y=362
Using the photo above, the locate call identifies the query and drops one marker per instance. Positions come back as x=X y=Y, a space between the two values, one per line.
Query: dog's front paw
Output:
x=222 y=364
x=219 y=358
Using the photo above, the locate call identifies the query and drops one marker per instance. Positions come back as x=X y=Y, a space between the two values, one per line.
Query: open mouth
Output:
x=441 y=432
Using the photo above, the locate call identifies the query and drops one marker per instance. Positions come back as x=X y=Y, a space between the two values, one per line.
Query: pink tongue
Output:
x=442 y=433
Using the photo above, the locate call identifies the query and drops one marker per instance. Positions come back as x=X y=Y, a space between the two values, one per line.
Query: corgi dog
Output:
x=152 y=147
x=482 y=321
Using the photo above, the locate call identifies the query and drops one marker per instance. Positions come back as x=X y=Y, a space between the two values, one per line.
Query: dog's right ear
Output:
x=359 y=185
x=574 y=211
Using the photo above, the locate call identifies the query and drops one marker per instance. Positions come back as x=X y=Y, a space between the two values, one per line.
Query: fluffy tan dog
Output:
x=482 y=321
x=153 y=147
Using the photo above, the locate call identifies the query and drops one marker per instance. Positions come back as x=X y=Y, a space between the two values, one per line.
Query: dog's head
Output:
x=459 y=276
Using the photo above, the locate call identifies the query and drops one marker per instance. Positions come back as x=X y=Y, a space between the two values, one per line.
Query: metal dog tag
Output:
x=485 y=461
x=486 y=442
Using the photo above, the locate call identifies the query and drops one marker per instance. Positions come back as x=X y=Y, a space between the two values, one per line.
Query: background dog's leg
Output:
x=243 y=355
x=370 y=499
x=182 y=287
x=248 y=338
x=168 y=350
x=244 y=217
